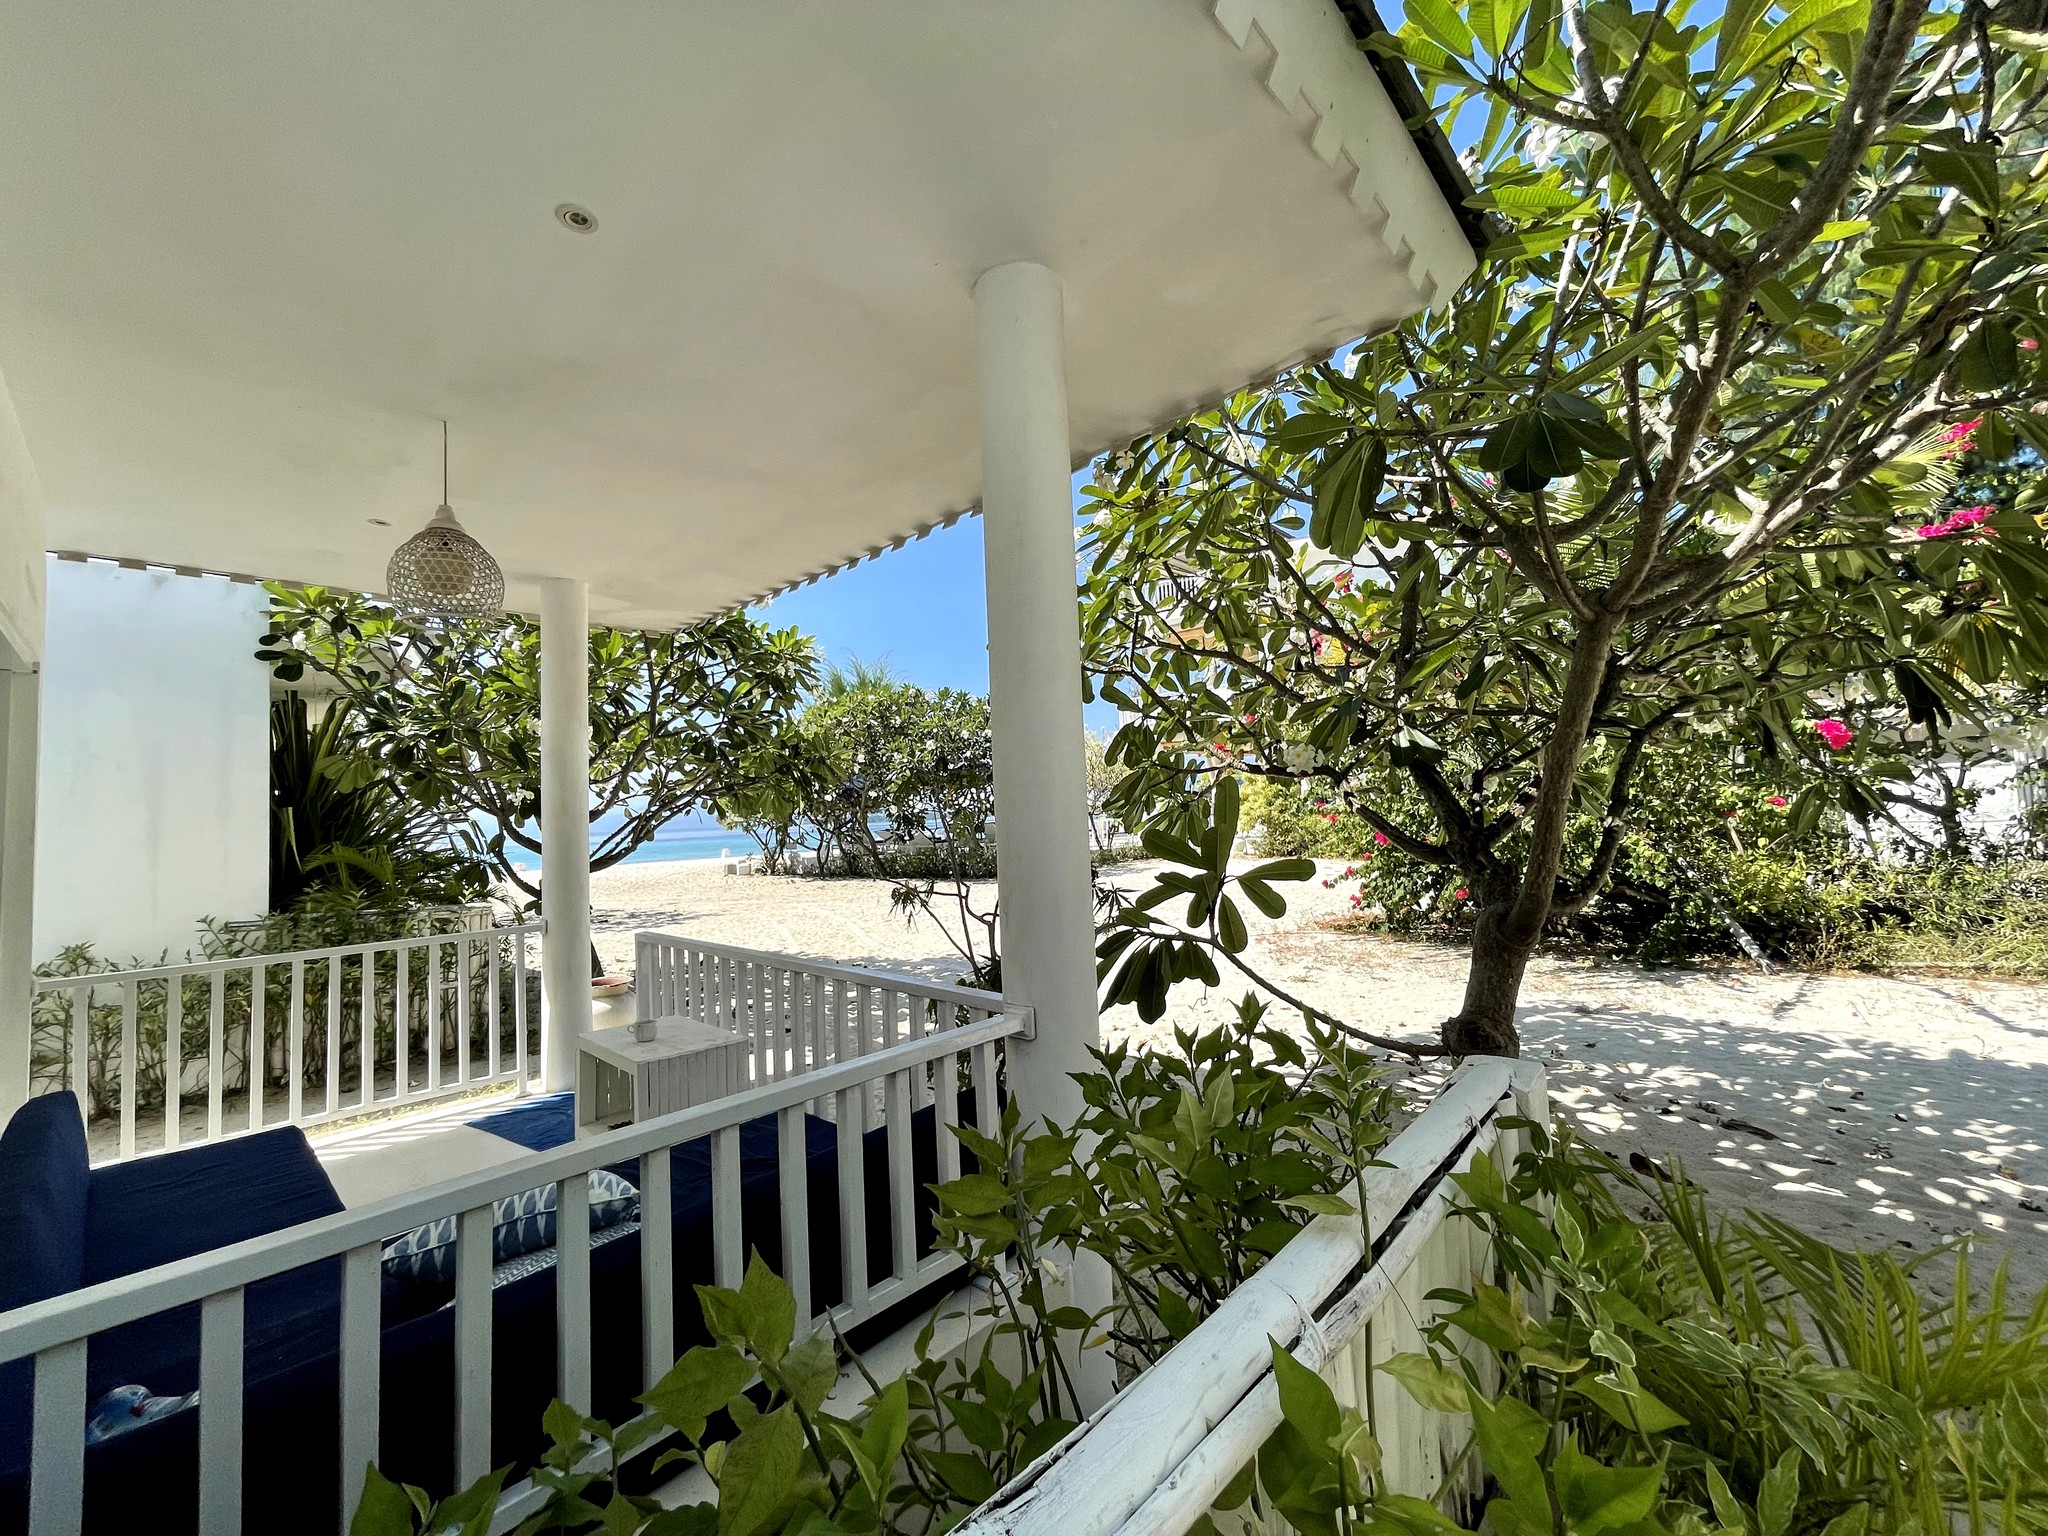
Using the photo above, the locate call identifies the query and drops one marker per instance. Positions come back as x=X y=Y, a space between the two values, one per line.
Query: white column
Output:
x=1034 y=646
x=20 y=714
x=564 y=825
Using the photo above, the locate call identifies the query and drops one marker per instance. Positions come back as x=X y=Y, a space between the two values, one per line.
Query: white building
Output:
x=154 y=812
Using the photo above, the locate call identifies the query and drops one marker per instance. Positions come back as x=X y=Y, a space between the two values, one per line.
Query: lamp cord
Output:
x=444 y=463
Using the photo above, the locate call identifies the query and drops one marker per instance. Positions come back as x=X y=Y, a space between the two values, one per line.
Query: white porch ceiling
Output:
x=251 y=254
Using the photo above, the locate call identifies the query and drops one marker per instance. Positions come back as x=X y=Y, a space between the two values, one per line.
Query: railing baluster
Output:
x=295 y=1054
x=495 y=946
x=332 y=1098
x=220 y=1412
x=462 y=959
x=255 y=1046
x=760 y=1023
x=657 y=1267
x=131 y=1063
x=728 y=1251
x=946 y=1115
x=366 y=1030
x=433 y=962
x=174 y=1057
x=572 y=1291
x=56 y=1479
x=902 y=1183
x=519 y=1008
x=402 y=1015
x=863 y=1037
x=793 y=1182
x=362 y=1276
x=216 y=1050
x=473 y=1345
x=81 y=1047
x=853 y=1206
x=987 y=1114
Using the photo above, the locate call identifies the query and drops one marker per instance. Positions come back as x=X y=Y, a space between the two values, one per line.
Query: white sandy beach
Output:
x=1869 y=1109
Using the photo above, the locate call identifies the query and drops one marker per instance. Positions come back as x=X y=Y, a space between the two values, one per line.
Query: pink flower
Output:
x=1342 y=581
x=2028 y=344
x=1962 y=431
x=1460 y=894
x=1834 y=733
x=1961 y=521
x=1379 y=839
x=1779 y=800
x=1727 y=815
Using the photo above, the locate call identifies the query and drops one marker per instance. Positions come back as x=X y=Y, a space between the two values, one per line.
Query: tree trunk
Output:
x=1485 y=1024
x=1511 y=922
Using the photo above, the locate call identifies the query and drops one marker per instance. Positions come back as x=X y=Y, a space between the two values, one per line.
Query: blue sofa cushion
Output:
x=43 y=1184
x=523 y=1223
x=157 y=1210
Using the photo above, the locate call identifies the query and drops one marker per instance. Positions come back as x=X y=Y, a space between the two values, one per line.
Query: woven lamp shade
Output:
x=441 y=572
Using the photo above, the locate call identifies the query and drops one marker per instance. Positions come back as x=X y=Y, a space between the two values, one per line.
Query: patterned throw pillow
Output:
x=521 y=1224
x=124 y=1408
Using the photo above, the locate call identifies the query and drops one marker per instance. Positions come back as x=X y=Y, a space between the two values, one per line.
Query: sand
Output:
x=1871 y=1110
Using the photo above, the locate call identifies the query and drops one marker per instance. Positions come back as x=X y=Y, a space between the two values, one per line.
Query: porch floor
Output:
x=405 y=1150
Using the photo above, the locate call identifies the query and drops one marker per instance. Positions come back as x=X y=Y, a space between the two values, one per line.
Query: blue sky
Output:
x=920 y=607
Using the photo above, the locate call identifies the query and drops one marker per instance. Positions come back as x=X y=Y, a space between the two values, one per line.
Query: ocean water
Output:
x=687 y=838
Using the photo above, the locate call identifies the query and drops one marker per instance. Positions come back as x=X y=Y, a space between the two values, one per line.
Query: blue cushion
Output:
x=43 y=1183
x=523 y=1223
x=156 y=1210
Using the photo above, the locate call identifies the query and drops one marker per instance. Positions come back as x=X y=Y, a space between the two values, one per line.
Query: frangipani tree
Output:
x=679 y=720
x=1671 y=461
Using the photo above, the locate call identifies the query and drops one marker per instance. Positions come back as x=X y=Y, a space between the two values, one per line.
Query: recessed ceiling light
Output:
x=575 y=217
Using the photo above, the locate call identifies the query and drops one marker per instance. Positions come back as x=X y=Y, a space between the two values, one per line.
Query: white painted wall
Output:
x=155 y=776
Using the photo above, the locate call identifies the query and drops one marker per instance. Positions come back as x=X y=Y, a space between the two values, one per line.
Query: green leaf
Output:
x=1971 y=168
x=1282 y=869
x=1598 y=1498
x=1225 y=824
x=882 y=1437
x=1510 y=1435
x=1345 y=489
x=1319 y=1203
x=1442 y=24
x=386 y=1509
x=1727 y=1508
x=1430 y=1384
x=1230 y=929
x=810 y=1371
x=1778 y=1495
x=770 y=1309
x=759 y=1472
x=1988 y=360
x=698 y=1386
x=1633 y=1407
x=1306 y=1400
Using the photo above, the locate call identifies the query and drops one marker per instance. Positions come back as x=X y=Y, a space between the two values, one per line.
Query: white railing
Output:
x=927 y=1069
x=1157 y=1457
x=800 y=1014
x=295 y=1038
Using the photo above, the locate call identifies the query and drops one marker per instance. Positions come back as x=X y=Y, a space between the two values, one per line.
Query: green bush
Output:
x=329 y=924
x=1676 y=1375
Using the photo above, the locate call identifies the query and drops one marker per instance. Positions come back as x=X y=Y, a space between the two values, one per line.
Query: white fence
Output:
x=296 y=1038
x=928 y=1069
x=799 y=1014
x=1156 y=1458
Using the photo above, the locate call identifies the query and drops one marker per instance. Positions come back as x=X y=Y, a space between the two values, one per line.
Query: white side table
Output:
x=620 y=1080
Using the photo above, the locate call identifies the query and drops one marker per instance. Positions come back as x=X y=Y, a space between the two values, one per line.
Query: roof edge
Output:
x=1364 y=21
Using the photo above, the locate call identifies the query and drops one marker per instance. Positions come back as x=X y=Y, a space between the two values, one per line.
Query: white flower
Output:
x=1300 y=757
